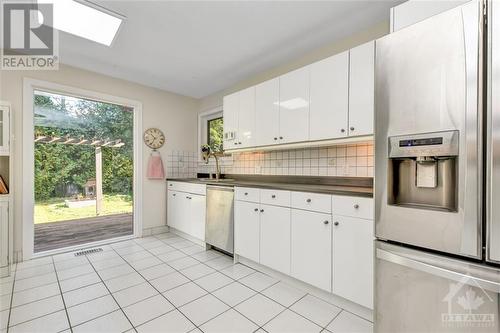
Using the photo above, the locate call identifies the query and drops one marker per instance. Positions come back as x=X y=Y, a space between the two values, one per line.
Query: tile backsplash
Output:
x=352 y=160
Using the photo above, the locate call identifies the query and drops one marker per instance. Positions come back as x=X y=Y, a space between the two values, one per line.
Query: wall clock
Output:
x=154 y=138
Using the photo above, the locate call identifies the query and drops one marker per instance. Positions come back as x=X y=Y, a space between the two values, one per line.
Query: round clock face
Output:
x=154 y=138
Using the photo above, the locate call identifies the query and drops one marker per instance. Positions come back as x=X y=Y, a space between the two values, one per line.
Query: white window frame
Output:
x=28 y=182
x=203 y=119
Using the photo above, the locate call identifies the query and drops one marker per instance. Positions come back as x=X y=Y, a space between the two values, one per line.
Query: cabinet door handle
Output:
x=275 y=139
x=356 y=206
x=246 y=193
x=174 y=195
x=273 y=196
x=281 y=138
x=262 y=211
x=239 y=143
x=336 y=223
x=308 y=200
x=256 y=210
x=189 y=198
x=342 y=130
x=235 y=143
x=326 y=222
x=352 y=128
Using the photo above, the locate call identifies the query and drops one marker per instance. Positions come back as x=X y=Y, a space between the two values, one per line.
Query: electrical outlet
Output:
x=258 y=169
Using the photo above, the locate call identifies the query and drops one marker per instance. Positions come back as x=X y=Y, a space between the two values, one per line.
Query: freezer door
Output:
x=493 y=135
x=428 y=80
x=419 y=292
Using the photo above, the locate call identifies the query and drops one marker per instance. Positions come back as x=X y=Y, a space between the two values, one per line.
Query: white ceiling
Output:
x=198 y=48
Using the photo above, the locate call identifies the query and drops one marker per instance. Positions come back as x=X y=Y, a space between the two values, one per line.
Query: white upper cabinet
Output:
x=231 y=106
x=246 y=118
x=4 y=130
x=361 y=89
x=267 y=112
x=329 y=104
x=294 y=106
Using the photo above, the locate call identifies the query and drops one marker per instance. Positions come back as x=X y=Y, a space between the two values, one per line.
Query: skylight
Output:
x=86 y=20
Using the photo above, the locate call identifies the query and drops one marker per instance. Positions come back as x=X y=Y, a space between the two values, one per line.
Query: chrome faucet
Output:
x=206 y=154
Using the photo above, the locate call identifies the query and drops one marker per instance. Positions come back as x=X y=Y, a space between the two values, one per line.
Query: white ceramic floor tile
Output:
x=157 y=271
x=79 y=282
x=55 y=322
x=174 y=239
x=145 y=263
x=74 y=272
x=33 y=263
x=193 y=249
x=203 y=309
x=316 y=310
x=5 y=302
x=183 y=263
x=348 y=323
x=184 y=294
x=213 y=281
x=207 y=255
x=162 y=249
x=220 y=263
x=90 y=310
x=121 y=245
x=116 y=271
x=6 y=288
x=108 y=263
x=234 y=293
x=129 y=249
x=63 y=256
x=71 y=263
x=183 y=244
x=35 y=281
x=290 y=322
x=284 y=294
x=102 y=256
x=84 y=294
x=145 y=240
x=171 y=256
x=229 y=322
x=259 y=309
x=135 y=256
x=124 y=281
x=237 y=271
x=35 y=294
x=152 y=245
x=148 y=309
x=173 y=321
x=258 y=281
x=169 y=281
x=4 y=318
x=197 y=271
x=34 y=271
x=35 y=309
x=134 y=294
x=115 y=322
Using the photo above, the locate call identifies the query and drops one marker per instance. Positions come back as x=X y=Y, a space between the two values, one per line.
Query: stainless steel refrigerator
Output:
x=437 y=177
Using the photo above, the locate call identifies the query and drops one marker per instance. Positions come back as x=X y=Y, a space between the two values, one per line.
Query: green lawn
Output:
x=53 y=210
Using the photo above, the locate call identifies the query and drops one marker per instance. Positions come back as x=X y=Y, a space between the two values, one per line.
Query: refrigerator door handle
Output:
x=437 y=271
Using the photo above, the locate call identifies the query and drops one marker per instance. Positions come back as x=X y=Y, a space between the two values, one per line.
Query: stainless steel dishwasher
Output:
x=219 y=229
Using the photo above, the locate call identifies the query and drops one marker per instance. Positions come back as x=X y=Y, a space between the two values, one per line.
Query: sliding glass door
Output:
x=83 y=170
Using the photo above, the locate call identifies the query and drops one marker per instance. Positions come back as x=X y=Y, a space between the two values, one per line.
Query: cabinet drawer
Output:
x=247 y=194
x=353 y=206
x=275 y=197
x=312 y=201
x=187 y=187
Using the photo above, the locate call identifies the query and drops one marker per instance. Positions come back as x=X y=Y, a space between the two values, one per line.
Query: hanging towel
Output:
x=155 y=167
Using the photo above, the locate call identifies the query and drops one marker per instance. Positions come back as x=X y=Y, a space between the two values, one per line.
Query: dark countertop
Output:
x=351 y=186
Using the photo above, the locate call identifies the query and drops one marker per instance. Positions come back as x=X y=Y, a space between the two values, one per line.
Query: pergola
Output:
x=82 y=141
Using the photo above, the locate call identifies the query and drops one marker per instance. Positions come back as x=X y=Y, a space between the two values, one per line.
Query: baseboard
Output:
x=154 y=231
x=186 y=236
x=4 y=271
x=341 y=302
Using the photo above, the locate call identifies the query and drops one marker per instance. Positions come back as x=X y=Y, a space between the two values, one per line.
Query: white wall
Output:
x=175 y=115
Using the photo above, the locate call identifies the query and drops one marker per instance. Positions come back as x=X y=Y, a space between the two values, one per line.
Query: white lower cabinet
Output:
x=275 y=237
x=247 y=230
x=4 y=236
x=311 y=248
x=186 y=212
x=353 y=259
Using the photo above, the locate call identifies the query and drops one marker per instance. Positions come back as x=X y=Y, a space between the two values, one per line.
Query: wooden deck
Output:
x=55 y=235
